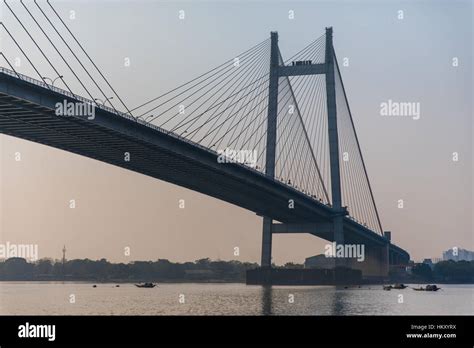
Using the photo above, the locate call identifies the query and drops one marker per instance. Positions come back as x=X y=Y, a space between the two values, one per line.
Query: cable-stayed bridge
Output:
x=273 y=136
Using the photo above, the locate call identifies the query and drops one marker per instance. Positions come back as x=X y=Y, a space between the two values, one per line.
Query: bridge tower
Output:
x=277 y=71
x=271 y=143
x=338 y=210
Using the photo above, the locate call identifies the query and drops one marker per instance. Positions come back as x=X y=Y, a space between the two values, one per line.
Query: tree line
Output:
x=102 y=270
x=446 y=271
x=200 y=270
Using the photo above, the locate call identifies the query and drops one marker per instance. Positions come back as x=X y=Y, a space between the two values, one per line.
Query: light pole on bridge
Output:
x=52 y=80
x=103 y=101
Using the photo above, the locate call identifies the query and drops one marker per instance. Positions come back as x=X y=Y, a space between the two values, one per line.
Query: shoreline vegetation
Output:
x=199 y=271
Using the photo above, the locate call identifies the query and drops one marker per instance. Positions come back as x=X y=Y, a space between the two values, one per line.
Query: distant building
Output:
x=319 y=261
x=458 y=254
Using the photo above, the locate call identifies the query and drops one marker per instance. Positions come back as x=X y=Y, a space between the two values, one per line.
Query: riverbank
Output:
x=219 y=281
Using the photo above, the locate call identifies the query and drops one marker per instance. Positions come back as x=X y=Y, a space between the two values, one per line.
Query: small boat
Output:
x=117 y=286
x=94 y=286
x=399 y=286
x=429 y=287
x=145 y=285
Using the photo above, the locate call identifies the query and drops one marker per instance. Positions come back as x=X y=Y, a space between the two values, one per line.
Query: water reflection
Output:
x=338 y=301
x=267 y=300
x=321 y=300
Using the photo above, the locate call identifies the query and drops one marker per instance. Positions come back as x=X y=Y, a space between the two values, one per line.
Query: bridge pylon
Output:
x=276 y=71
x=339 y=211
x=271 y=142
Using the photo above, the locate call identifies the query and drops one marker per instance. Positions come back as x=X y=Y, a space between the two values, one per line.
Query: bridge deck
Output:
x=27 y=110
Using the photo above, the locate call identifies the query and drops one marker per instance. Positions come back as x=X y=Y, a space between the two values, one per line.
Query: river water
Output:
x=67 y=298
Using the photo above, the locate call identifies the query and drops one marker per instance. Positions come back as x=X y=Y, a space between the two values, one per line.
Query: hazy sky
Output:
x=405 y=60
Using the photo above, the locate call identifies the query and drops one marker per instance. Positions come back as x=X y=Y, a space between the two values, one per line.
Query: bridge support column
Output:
x=374 y=266
x=339 y=239
x=386 y=260
x=267 y=242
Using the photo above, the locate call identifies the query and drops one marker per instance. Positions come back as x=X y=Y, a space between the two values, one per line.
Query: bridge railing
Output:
x=110 y=110
x=100 y=106
x=63 y=91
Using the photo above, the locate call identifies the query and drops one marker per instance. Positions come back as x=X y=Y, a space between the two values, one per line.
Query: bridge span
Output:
x=307 y=173
x=27 y=111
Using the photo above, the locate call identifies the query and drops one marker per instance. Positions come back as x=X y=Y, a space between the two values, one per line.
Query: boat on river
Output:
x=398 y=286
x=429 y=287
x=145 y=285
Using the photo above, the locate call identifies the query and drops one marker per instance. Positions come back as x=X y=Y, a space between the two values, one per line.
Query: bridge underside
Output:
x=28 y=111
